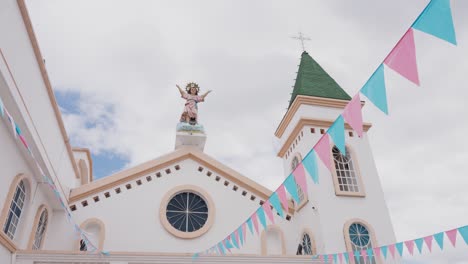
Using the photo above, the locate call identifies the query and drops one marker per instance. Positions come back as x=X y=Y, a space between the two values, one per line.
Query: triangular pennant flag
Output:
x=244 y=231
x=282 y=196
x=375 y=91
x=399 y=247
x=335 y=258
x=452 y=236
x=357 y=254
x=12 y=123
x=391 y=248
x=464 y=233
x=227 y=244
x=255 y=221
x=363 y=253
x=352 y=114
x=337 y=133
x=439 y=238
x=234 y=240
x=340 y=257
x=322 y=148
x=402 y=58
x=240 y=232
x=436 y=19
x=2 y=112
x=384 y=250
x=221 y=248
x=346 y=257
x=249 y=223
x=325 y=258
x=370 y=252
x=310 y=163
x=267 y=208
x=410 y=246
x=274 y=200
x=195 y=256
x=299 y=176
x=419 y=244
x=261 y=217
x=428 y=241
x=377 y=252
x=291 y=186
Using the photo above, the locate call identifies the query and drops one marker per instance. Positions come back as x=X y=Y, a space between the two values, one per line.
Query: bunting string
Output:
x=18 y=134
x=435 y=20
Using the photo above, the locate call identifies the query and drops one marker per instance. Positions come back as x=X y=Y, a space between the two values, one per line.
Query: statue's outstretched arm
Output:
x=180 y=90
x=205 y=94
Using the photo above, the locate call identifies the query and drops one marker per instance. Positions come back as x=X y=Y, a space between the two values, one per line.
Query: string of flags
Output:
x=435 y=20
x=17 y=133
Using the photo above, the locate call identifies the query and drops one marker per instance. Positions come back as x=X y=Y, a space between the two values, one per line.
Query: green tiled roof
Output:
x=313 y=80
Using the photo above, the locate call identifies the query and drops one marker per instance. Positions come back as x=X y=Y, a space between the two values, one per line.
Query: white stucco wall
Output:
x=5 y=255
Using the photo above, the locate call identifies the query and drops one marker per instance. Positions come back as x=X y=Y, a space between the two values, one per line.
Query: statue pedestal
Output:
x=190 y=136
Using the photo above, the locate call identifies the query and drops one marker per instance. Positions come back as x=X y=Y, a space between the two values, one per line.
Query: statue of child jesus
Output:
x=190 y=114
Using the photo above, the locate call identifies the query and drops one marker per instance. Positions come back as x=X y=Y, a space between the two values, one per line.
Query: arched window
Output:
x=347 y=180
x=41 y=227
x=295 y=161
x=306 y=246
x=360 y=238
x=15 y=209
x=94 y=230
x=272 y=241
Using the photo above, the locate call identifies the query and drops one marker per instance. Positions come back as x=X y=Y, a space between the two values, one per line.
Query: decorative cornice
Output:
x=7 y=243
x=307 y=100
x=311 y=122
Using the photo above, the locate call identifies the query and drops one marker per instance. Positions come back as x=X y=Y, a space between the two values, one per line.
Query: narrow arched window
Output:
x=14 y=211
x=306 y=246
x=295 y=161
x=360 y=239
x=346 y=173
x=40 y=230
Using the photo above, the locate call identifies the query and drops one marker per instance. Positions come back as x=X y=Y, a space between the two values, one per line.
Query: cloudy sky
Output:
x=114 y=66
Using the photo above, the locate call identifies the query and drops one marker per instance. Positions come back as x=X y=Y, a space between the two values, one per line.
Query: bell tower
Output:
x=348 y=197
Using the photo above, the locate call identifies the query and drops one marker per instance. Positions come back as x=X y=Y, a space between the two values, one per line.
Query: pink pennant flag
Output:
x=244 y=229
x=351 y=255
x=410 y=246
x=267 y=208
x=255 y=221
x=225 y=245
x=452 y=235
x=23 y=141
x=428 y=241
x=402 y=58
x=330 y=258
x=320 y=257
x=391 y=248
x=364 y=253
x=353 y=115
x=340 y=257
x=377 y=252
x=299 y=176
x=282 y=196
x=323 y=150
x=236 y=236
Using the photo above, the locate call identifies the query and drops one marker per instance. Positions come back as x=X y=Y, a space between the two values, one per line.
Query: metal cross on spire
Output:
x=301 y=38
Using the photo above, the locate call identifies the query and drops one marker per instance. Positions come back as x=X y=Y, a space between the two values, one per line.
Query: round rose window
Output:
x=187 y=212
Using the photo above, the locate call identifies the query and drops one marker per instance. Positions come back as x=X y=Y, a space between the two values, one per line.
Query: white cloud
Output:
x=128 y=56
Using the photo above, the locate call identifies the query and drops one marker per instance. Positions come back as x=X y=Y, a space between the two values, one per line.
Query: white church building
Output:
x=166 y=209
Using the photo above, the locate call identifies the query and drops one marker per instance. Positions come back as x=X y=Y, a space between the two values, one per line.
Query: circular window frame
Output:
x=186 y=188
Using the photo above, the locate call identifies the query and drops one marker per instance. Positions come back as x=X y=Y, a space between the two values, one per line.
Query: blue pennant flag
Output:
x=291 y=186
x=335 y=258
x=374 y=89
x=249 y=223
x=310 y=163
x=439 y=238
x=18 y=130
x=275 y=202
x=261 y=216
x=234 y=241
x=370 y=252
x=228 y=244
x=399 y=247
x=436 y=20
x=419 y=244
x=337 y=133
x=464 y=233
x=346 y=257
x=384 y=250
x=325 y=258
x=221 y=248
x=357 y=253
x=195 y=256
x=241 y=235
x=2 y=113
